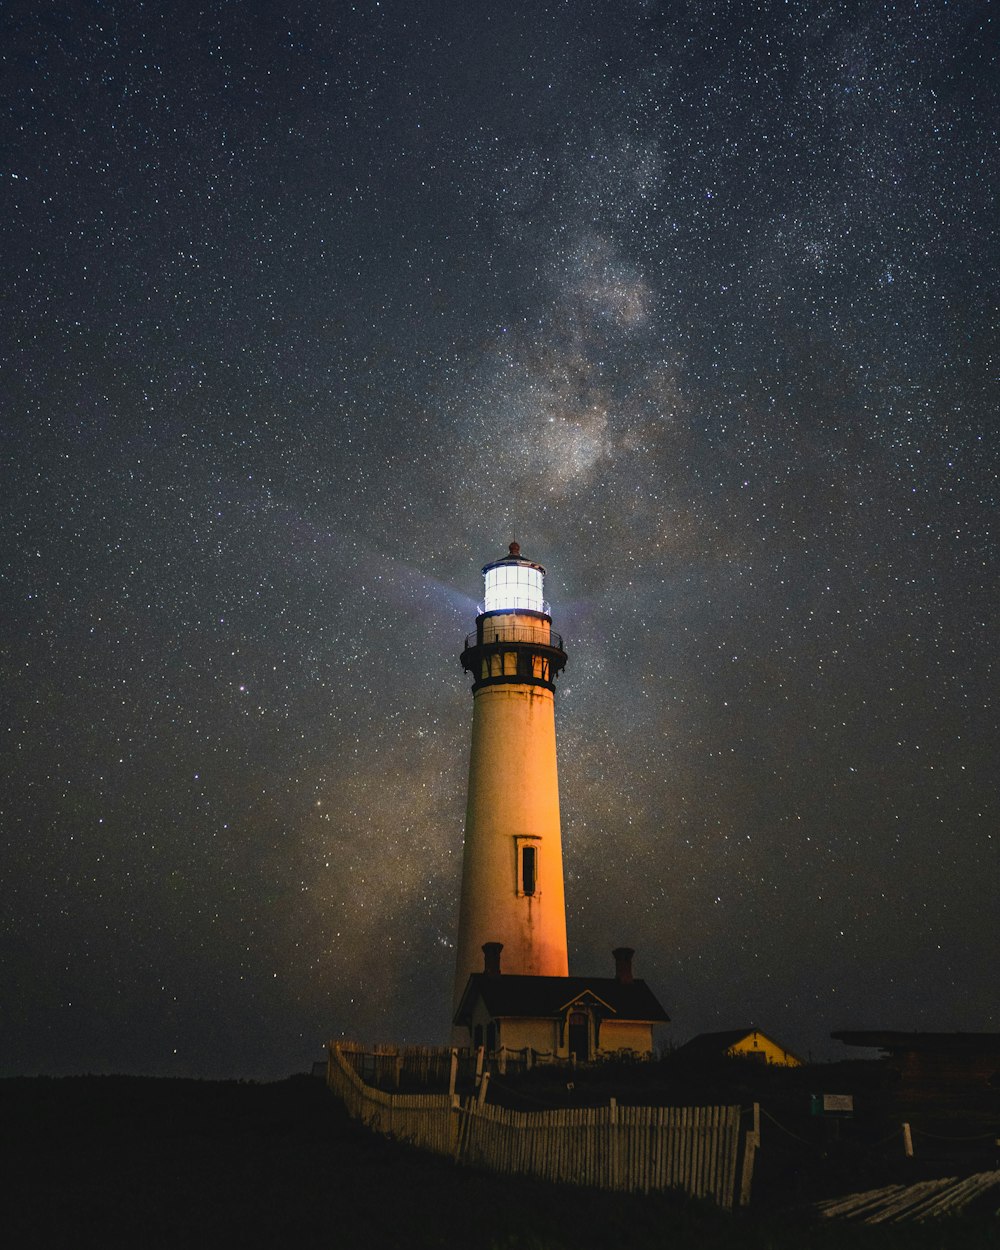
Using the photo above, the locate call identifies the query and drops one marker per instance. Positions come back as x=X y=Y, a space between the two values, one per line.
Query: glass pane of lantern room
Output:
x=510 y=587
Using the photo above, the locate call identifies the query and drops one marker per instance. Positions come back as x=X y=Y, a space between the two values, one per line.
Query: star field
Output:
x=310 y=309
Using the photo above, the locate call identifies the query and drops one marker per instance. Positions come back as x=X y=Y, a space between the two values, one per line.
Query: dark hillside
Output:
x=122 y=1161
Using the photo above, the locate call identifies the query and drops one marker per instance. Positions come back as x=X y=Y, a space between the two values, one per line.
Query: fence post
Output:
x=453 y=1074
x=483 y=1086
x=907 y=1140
x=752 y=1142
x=614 y=1143
x=479 y=1065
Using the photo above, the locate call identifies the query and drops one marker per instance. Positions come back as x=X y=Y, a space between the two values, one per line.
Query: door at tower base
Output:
x=591 y=1018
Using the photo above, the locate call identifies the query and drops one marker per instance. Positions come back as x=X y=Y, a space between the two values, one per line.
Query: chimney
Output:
x=623 y=963
x=491 y=953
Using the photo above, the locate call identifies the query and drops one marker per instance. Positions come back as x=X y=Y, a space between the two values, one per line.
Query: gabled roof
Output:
x=549 y=998
x=587 y=998
x=710 y=1045
x=714 y=1045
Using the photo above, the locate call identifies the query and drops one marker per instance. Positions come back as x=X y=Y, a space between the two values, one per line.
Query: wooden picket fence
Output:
x=700 y=1150
x=384 y=1064
x=425 y=1120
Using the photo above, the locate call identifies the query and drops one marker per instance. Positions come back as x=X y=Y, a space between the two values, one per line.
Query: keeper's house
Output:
x=586 y=1017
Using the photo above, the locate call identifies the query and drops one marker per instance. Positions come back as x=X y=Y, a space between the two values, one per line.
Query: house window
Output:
x=529 y=869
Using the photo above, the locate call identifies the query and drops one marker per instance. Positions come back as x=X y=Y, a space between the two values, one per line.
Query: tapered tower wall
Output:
x=512 y=874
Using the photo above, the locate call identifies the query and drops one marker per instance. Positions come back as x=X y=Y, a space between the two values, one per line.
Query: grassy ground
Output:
x=121 y=1161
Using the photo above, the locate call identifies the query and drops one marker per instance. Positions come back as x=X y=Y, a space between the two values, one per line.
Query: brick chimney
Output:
x=623 y=963
x=491 y=955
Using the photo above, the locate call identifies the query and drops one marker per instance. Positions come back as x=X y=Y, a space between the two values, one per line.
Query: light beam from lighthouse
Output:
x=512 y=873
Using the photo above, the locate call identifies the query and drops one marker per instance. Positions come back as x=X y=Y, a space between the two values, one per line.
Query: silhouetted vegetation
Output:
x=123 y=1161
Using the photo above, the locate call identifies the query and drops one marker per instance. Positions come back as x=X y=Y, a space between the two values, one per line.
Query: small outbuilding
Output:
x=748 y=1043
x=586 y=1017
x=929 y=1065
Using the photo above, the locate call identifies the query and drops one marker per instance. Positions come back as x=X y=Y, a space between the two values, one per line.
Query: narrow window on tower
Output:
x=526 y=847
x=528 y=869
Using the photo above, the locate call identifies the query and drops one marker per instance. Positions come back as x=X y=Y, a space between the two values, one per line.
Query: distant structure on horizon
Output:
x=746 y=1043
x=513 y=896
x=931 y=1066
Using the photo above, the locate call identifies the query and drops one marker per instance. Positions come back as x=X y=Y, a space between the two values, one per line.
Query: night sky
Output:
x=308 y=310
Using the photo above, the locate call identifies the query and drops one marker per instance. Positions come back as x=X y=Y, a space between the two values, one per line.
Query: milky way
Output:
x=308 y=310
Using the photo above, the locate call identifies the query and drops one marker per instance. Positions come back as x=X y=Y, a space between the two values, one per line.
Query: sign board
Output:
x=831 y=1104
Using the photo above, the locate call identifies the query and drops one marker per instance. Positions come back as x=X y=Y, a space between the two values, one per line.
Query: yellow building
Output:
x=749 y=1043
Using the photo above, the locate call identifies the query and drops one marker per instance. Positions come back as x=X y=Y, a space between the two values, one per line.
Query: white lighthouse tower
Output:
x=512 y=873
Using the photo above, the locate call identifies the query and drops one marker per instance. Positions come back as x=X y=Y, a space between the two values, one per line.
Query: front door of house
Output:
x=579 y=1035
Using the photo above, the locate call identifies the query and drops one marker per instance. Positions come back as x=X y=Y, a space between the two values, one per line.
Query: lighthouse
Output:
x=512 y=872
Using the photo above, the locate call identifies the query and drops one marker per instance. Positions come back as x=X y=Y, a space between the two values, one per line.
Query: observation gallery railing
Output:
x=534 y=634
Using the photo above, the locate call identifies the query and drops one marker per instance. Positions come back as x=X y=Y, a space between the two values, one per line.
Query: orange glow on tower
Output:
x=512 y=872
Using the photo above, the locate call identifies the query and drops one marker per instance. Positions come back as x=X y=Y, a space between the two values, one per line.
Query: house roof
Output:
x=549 y=997
x=897 y=1040
x=713 y=1045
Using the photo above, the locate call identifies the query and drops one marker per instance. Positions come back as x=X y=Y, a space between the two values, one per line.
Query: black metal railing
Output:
x=533 y=634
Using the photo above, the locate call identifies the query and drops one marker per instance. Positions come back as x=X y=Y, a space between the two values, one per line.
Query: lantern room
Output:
x=514 y=584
